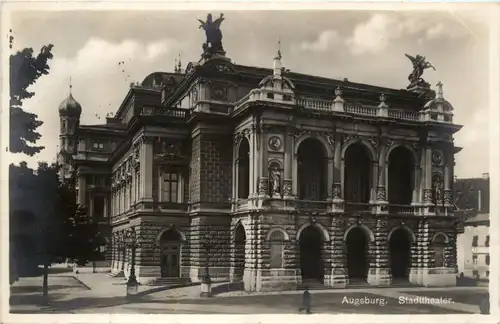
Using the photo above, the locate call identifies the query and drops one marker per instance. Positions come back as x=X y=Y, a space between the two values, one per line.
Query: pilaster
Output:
x=337 y=196
x=288 y=181
x=82 y=189
x=378 y=251
x=337 y=277
x=146 y=170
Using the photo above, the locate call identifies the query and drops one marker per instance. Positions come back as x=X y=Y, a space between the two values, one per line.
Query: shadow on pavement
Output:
x=39 y=289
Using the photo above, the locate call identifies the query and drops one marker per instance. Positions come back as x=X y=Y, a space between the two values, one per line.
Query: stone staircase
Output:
x=312 y=284
x=170 y=282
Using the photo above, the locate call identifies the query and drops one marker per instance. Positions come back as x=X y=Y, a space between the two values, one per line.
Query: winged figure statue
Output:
x=212 y=33
x=419 y=65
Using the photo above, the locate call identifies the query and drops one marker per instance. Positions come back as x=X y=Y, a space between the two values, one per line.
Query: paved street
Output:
x=98 y=293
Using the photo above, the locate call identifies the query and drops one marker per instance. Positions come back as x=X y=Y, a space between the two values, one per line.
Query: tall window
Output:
x=138 y=186
x=487 y=241
x=98 y=207
x=276 y=248
x=474 y=258
x=487 y=259
x=169 y=187
x=474 y=240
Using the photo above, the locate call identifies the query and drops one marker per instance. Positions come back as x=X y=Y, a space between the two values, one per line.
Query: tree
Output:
x=63 y=227
x=25 y=69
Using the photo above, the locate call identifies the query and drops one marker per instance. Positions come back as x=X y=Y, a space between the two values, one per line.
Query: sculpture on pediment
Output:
x=420 y=64
x=213 y=43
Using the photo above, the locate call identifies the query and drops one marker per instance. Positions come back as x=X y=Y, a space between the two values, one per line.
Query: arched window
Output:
x=243 y=162
x=439 y=243
x=277 y=246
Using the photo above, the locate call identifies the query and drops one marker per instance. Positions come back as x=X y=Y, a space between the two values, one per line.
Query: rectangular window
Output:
x=487 y=241
x=170 y=187
x=474 y=259
x=98 y=145
x=487 y=259
x=474 y=240
x=98 y=207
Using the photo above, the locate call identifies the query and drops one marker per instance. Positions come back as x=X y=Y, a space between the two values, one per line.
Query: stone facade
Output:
x=262 y=179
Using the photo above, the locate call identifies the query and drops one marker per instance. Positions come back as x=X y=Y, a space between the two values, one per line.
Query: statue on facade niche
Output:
x=275 y=182
x=438 y=190
x=213 y=43
x=419 y=65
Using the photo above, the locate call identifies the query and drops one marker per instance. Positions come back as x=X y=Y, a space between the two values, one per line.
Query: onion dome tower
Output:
x=69 y=117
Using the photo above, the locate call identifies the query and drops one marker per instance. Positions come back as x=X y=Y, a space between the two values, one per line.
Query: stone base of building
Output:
x=336 y=279
x=440 y=277
x=434 y=277
x=415 y=276
x=216 y=273
x=271 y=280
x=379 y=277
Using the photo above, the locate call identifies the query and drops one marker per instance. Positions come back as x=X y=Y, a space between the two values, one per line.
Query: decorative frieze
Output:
x=428 y=195
x=437 y=158
x=275 y=143
x=448 y=196
x=263 y=186
x=287 y=187
x=337 y=191
x=381 y=193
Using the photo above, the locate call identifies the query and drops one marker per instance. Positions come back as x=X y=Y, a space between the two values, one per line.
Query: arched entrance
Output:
x=311 y=254
x=357 y=174
x=312 y=165
x=170 y=245
x=399 y=255
x=239 y=252
x=243 y=169
x=401 y=173
x=357 y=259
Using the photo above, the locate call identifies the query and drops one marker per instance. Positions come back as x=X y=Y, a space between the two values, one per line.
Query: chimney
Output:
x=479 y=200
x=486 y=175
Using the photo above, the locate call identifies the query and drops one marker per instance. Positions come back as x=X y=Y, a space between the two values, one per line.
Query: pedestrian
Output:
x=306 y=301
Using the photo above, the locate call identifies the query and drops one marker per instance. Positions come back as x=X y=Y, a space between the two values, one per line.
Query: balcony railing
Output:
x=163 y=111
x=401 y=210
x=356 y=207
x=348 y=107
x=311 y=205
x=359 y=109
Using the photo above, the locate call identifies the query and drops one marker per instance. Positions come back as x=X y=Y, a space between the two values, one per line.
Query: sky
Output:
x=363 y=46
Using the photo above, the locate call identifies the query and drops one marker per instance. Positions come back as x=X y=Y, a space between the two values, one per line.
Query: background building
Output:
x=271 y=177
x=473 y=255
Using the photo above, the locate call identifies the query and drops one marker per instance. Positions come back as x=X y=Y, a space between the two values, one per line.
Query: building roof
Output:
x=479 y=218
x=70 y=106
x=321 y=86
x=164 y=78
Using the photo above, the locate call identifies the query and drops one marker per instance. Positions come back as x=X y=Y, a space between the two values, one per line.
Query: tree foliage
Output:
x=25 y=70
x=63 y=229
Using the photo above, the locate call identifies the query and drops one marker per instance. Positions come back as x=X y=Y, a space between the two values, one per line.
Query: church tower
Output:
x=69 y=117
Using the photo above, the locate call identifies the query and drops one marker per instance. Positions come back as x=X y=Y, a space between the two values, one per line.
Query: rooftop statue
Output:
x=213 y=33
x=419 y=65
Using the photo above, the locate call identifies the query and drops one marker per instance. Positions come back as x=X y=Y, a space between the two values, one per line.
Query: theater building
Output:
x=271 y=177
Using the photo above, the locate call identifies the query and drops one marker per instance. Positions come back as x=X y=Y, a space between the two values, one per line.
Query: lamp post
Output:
x=131 y=242
x=206 y=281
